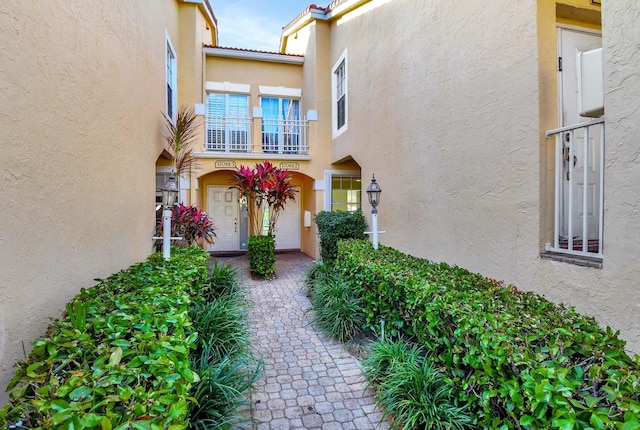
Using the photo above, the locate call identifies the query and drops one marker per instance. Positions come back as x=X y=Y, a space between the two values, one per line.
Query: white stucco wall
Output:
x=444 y=109
x=82 y=88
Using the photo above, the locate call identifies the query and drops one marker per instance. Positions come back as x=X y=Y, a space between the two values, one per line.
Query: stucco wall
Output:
x=447 y=109
x=82 y=88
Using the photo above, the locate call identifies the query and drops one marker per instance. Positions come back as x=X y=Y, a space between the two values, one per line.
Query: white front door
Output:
x=570 y=43
x=222 y=208
x=287 y=230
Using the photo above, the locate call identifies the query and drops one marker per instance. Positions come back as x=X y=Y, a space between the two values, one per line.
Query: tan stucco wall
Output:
x=449 y=111
x=82 y=91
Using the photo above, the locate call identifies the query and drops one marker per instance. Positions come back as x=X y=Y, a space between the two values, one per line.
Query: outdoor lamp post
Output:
x=169 y=197
x=373 y=193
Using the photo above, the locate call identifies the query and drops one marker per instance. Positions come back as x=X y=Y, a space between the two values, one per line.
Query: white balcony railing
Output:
x=579 y=189
x=284 y=136
x=228 y=134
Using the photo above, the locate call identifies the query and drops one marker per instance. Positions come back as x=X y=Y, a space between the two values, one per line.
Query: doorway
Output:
x=580 y=148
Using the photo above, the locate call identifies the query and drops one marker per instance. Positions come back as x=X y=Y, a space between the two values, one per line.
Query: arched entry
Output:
x=229 y=214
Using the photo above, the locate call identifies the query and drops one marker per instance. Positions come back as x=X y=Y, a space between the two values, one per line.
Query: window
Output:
x=281 y=125
x=172 y=80
x=346 y=193
x=228 y=123
x=339 y=95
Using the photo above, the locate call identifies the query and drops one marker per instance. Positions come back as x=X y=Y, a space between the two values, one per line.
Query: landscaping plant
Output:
x=262 y=256
x=337 y=310
x=119 y=358
x=515 y=359
x=335 y=226
x=222 y=358
x=411 y=389
x=265 y=186
x=189 y=223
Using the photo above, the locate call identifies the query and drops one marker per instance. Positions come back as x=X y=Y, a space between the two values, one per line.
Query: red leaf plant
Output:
x=189 y=223
x=264 y=186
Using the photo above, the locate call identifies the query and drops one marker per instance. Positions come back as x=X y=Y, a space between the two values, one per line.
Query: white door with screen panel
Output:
x=570 y=43
x=288 y=226
x=223 y=210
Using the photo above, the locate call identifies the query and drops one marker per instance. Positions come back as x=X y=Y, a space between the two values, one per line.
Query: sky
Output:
x=256 y=24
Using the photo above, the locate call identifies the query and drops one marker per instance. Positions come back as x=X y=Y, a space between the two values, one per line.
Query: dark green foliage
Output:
x=222 y=282
x=517 y=360
x=222 y=358
x=412 y=390
x=337 y=308
x=335 y=226
x=262 y=255
x=121 y=360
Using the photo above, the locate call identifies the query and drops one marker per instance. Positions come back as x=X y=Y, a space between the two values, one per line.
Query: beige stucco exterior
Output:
x=449 y=110
x=448 y=104
x=83 y=94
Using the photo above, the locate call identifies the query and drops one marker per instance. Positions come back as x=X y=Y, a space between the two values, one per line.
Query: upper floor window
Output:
x=339 y=95
x=281 y=125
x=228 y=123
x=172 y=81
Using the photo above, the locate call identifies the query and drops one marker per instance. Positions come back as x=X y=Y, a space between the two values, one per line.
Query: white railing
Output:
x=285 y=136
x=228 y=134
x=579 y=189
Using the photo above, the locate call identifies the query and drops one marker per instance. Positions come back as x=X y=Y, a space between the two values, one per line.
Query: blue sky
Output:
x=256 y=24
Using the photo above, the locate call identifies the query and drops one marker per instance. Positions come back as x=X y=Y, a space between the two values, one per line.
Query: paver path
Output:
x=309 y=381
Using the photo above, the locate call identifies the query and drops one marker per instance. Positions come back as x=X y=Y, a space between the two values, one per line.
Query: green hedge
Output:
x=335 y=226
x=120 y=357
x=262 y=255
x=516 y=359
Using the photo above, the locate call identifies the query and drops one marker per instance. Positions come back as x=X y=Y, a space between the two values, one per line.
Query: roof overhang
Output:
x=240 y=54
x=313 y=13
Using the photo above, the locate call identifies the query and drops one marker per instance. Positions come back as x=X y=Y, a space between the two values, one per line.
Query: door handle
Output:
x=235 y=224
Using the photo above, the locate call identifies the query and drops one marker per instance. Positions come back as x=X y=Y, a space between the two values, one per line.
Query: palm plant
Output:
x=180 y=139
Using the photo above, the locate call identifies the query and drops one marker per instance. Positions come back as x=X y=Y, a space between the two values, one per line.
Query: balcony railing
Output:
x=579 y=189
x=284 y=136
x=228 y=134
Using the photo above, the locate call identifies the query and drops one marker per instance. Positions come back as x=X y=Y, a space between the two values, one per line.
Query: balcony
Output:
x=256 y=137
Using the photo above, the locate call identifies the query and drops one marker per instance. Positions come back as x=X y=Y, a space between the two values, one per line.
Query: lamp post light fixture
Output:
x=373 y=193
x=169 y=198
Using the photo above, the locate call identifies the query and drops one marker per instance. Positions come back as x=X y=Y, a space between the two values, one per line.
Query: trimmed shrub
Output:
x=517 y=360
x=120 y=358
x=335 y=226
x=262 y=255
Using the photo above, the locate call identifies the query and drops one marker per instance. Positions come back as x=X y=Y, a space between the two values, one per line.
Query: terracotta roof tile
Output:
x=229 y=48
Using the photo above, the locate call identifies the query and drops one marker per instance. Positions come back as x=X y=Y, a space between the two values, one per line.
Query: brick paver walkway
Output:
x=309 y=382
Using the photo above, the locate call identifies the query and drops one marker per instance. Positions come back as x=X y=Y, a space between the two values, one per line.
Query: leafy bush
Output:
x=189 y=223
x=335 y=226
x=262 y=255
x=222 y=358
x=412 y=390
x=119 y=360
x=337 y=308
x=517 y=360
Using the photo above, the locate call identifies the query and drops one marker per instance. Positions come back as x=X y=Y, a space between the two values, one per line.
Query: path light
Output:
x=169 y=197
x=373 y=193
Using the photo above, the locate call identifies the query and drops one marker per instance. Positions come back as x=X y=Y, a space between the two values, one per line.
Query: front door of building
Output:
x=570 y=43
x=223 y=210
